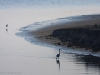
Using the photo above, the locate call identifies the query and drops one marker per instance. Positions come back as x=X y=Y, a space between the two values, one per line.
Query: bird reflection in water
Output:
x=6 y=30
x=58 y=62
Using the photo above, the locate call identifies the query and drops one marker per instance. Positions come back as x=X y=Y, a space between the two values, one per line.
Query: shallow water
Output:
x=20 y=57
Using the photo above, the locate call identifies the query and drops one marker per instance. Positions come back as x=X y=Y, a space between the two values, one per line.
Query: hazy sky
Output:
x=47 y=3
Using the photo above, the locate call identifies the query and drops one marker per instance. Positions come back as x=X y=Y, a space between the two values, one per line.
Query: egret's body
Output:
x=58 y=55
x=7 y=25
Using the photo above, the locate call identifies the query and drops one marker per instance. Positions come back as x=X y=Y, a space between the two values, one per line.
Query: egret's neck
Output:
x=59 y=51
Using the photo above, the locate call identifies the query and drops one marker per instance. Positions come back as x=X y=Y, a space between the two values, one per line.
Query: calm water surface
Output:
x=19 y=57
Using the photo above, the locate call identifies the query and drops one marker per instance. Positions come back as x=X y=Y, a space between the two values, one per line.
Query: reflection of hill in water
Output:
x=89 y=61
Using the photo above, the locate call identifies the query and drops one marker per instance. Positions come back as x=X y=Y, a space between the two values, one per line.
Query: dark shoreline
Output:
x=87 y=37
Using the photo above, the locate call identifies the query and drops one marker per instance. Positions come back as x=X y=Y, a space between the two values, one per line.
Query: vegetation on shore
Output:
x=82 y=37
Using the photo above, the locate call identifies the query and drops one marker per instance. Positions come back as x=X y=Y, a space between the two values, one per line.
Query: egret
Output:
x=58 y=55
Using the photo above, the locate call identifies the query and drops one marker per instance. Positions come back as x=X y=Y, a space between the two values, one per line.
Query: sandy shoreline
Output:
x=42 y=34
x=84 y=20
x=76 y=21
